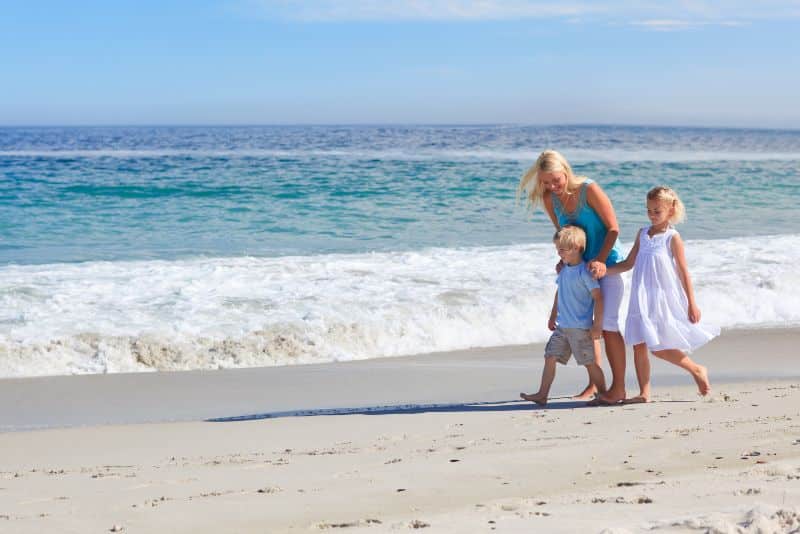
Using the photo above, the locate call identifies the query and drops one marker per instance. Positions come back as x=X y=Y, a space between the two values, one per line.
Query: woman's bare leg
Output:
x=615 y=351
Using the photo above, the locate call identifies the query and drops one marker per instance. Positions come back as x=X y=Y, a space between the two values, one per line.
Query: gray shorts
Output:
x=567 y=341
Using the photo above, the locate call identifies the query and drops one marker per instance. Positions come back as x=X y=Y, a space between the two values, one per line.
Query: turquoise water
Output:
x=78 y=194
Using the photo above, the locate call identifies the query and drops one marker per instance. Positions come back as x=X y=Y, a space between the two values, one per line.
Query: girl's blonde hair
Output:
x=548 y=161
x=667 y=195
x=570 y=236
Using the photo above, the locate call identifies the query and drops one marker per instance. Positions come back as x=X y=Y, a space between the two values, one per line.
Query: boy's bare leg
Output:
x=591 y=389
x=597 y=377
x=641 y=361
x=587 y=393
x=548 y=374
x=615 y=351
x=698 y=372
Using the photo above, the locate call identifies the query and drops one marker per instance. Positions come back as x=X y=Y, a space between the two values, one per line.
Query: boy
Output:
x=576 y=318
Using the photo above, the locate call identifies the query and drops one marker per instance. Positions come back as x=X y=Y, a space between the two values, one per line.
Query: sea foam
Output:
x=98 y=317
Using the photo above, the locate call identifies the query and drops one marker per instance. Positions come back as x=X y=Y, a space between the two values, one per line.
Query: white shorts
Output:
x=612 y=288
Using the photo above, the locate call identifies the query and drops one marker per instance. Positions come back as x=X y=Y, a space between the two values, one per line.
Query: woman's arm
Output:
x=627 y=263
x=600 y=203
x=683 y=273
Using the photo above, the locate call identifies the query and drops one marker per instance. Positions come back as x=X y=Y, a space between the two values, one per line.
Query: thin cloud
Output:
x=421 y=10
x=666 y=15
x=669 y=25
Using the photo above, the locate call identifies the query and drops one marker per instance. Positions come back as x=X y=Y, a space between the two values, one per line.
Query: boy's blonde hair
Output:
x=548 y=161
x=668 y=196
x=570 y=236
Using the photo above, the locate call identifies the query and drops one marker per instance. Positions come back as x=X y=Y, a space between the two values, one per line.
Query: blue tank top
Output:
x=588 y=219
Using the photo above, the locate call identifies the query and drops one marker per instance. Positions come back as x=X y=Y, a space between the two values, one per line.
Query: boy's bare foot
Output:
x=586 y=394
x=701 y=377
x=538 y=398
x=638 y=399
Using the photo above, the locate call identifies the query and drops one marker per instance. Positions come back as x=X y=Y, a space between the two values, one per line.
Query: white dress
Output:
x=658 y=310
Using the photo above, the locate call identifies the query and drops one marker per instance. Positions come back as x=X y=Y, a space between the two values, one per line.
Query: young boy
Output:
x=577 y=316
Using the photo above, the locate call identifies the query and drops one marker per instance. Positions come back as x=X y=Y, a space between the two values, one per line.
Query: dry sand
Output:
x=727 y=463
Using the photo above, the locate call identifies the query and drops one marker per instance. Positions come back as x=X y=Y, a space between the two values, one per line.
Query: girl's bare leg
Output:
x=698 y=372
x=642 y=362
x=615 y=351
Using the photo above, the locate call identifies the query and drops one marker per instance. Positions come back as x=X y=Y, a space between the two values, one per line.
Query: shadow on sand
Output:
x=495 y=406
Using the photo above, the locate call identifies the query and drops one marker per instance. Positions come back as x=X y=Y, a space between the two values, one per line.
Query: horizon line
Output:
x=404 y=124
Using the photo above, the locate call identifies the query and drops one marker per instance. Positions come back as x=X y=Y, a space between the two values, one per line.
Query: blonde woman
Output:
x=579 y=201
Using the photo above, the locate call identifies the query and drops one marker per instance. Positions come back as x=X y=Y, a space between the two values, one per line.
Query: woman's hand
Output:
x=694 y=313
x=597 y=269
x=551 y=323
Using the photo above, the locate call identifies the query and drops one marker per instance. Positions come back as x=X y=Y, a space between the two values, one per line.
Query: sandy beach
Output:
x=432 y=442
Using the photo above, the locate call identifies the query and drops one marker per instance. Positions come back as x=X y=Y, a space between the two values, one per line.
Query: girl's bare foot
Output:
x=701 y=377
x=586 y=394
x=638 y=399
x=538 y=398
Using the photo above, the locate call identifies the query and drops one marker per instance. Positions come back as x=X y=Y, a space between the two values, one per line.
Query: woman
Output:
x=570 y=199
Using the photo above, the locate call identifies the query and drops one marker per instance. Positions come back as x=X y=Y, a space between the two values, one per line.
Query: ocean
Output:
x=172 y=248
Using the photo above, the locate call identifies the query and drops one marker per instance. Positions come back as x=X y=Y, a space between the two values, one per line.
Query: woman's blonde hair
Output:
x=548 y=161
x=570 y=236
x=667 y=195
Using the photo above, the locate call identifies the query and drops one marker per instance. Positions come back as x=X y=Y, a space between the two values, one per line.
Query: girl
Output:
x=663 y=316
x=577 y=200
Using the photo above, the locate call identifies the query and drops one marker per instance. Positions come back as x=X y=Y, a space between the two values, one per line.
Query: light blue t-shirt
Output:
x=575 y=302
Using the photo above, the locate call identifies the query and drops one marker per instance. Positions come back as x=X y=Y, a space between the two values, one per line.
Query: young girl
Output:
x=663 y=316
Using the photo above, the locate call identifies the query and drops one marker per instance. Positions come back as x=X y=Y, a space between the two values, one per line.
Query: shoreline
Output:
x=462 y=377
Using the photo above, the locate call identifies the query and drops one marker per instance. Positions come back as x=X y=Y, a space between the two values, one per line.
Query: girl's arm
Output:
x=627 y=263
x=600 y=203
x=683 y=273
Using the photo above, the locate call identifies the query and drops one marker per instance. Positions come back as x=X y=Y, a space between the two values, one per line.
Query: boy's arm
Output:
x=683 y=273
x=627 y=263
x=597 y=325
x=551 y=322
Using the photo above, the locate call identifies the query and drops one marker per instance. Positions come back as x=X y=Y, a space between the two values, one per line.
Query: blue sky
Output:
x=400 y=61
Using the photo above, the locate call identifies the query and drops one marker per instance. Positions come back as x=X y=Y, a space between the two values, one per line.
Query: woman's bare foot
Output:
x=538 y=398
x=638 y=399
x=612 y=397
x=586 y=394
x=701 y=377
